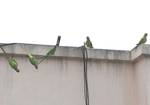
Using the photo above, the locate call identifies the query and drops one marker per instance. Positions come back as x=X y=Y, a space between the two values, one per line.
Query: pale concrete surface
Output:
x=115 y=77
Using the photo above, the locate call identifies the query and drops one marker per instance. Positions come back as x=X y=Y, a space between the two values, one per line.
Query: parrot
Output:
x=51 y=51
x=88 y=43
x=33 y=60
x=13 y=63
x=143 y=39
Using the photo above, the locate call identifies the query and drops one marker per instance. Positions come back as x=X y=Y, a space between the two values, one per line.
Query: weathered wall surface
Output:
x=115 y=77
x=57 y=82
x=111 y=83
x=142 y=73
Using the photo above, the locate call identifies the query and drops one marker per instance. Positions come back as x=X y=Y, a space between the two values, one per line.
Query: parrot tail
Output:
x=36 y=66
x=17 y=70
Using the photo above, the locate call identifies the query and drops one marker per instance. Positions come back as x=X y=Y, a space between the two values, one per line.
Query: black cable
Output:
x=86 y=76
x=86 y=90
x=84 y=61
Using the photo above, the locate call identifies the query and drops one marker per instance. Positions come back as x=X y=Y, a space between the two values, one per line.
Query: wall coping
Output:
x=75 y=52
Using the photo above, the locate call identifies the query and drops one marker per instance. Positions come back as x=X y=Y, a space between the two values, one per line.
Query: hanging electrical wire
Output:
x=86 y=90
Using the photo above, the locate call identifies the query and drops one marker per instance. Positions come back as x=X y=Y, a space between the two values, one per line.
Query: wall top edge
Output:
x=75 y=52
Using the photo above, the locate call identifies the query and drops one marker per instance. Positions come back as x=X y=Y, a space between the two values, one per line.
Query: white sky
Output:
x=111 y=24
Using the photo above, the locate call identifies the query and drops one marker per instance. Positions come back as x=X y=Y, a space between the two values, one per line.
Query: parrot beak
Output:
x=145 y=34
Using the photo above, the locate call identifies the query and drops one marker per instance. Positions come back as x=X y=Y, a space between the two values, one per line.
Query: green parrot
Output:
x=33 y=60
x=143 y=39
x=51 y=51
x=88 y=43
x=13 y=63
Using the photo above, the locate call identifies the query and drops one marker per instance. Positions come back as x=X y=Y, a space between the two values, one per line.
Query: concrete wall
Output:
x=115 y=77
x=142 y=73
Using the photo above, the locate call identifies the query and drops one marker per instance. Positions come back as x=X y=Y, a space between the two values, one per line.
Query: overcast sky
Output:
x=111 y=24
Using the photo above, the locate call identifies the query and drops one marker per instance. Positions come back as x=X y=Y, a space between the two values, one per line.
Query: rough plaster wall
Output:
x=57 y=82
x=142 y=73
x=6 y=82
x=60 y=82
x=111 y=83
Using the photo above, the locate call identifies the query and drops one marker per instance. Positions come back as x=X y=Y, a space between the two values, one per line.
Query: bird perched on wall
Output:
x=33 y=60
x=143 y=40
x=13 y=63
x=88 y=43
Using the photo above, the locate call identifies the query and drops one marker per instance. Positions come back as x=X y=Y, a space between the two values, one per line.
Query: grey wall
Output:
x=142 y=73
x=115 y=77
